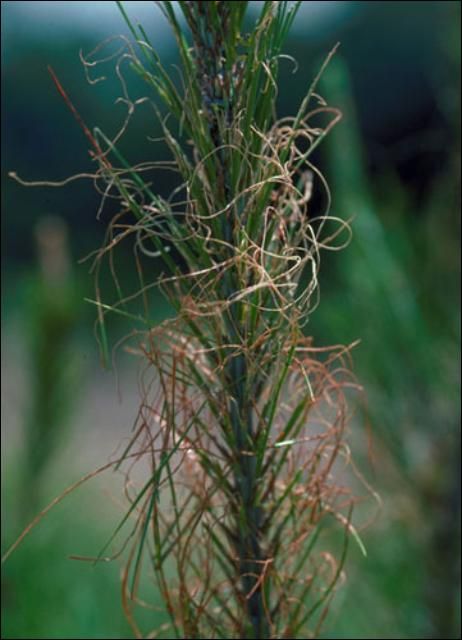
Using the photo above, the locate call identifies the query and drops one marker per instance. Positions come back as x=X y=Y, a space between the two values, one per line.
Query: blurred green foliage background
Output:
x=393 y=165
